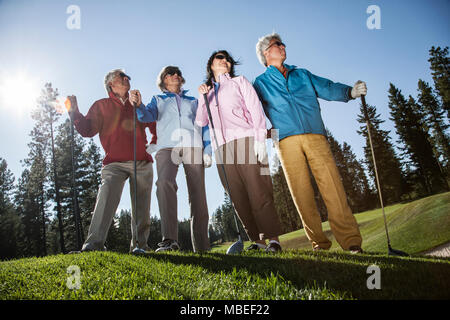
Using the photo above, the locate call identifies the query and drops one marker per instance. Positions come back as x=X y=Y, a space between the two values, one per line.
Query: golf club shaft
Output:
x=78 y=227
x=221 y=163
x=135 y=175
x=363 y=101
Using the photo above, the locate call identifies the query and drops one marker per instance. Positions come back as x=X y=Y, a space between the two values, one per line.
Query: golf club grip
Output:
x=363 y=100
x=205 y=97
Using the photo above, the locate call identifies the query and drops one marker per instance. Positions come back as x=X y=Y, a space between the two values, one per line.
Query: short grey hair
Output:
x=262 y=45
x=163 y=73
x=110 y=77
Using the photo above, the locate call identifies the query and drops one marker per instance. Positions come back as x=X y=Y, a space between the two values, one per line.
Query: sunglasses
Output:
x=222 y=56
x=276 y=43
x=123 y=75
x=172 y=72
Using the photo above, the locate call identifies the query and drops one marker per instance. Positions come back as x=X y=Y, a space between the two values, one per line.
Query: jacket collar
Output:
x=115 y=98
x=171 y=94
x=224 y=77
x=274 y=71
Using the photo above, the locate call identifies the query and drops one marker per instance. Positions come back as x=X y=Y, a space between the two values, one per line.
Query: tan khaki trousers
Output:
x=167 y=162
x=295 y=153
x=251 y=190
x=114 y=176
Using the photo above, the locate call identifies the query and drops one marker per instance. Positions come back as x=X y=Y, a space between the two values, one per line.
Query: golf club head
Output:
x=236 y=247
x=138 y=251
x=393 y=252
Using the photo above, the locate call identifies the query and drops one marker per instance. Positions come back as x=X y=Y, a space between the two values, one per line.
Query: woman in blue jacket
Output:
x=179 y=140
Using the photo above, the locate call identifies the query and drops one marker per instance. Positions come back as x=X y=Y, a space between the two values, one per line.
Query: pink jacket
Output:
x=236 y=113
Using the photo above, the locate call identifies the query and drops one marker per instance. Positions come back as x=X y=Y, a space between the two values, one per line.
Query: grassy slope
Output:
x=413 y=227
x=294 y=274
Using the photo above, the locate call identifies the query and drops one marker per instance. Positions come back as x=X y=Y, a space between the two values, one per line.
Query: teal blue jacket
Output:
x=291 y=103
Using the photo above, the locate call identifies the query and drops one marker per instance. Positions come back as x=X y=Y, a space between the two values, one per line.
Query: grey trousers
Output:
x=114 y=176
x=167 y=162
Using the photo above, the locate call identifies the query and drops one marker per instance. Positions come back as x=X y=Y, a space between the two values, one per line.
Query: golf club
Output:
x=391 y=251
x=238 y=246
x=78 y=225
x=136 y=250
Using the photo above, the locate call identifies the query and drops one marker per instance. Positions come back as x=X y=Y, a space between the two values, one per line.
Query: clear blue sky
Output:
x=328 y=37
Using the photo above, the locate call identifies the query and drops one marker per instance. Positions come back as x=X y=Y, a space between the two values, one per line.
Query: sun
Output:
x=18 y=92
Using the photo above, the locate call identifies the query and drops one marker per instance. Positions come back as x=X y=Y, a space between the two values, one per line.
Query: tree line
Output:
x=61 y=174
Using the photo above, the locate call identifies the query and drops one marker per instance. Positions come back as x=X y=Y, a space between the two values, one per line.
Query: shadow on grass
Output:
x=401 y=278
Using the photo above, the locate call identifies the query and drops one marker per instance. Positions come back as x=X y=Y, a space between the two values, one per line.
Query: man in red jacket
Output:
x=112 y=119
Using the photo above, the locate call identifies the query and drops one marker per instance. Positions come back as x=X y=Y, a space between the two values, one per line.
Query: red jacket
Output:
x=113 y=121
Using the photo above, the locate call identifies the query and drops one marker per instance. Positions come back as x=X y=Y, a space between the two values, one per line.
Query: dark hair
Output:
x=210 y=73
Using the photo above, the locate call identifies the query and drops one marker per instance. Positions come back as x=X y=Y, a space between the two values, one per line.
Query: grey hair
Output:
x=110 y=77
x=262 y=45
x=163 y=73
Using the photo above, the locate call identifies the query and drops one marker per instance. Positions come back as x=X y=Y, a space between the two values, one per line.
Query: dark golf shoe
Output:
x=273 y=247
x=255 y=247
x=168 y=245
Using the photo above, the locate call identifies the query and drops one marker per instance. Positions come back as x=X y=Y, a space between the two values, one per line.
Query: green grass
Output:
x=413 y=227
x=294 y=274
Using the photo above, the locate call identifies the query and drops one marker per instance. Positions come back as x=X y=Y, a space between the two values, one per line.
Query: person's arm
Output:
x=329 y=90
x=89 y=125
x=255 y=108
x=147 y=113
x=201 y=118
x=206 y=140
x=152 y=128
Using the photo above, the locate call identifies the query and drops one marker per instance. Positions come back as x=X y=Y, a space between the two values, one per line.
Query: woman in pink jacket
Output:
x=240 y=129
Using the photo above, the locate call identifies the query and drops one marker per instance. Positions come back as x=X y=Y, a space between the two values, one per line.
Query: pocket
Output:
x=241 y=113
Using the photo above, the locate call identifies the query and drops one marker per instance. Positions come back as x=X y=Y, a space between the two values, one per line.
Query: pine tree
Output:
x=435 y=121
x=223 y=221
x=440 y=67
x=89 y=182
x=414 y=139
x=46 y=117
x=63 y=152
x=284 y=205
x=392 y=181
x=32 y=195
x=354 y=179
x=9 y=220
x=30 y=201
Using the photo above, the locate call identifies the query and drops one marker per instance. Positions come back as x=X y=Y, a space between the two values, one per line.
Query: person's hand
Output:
x=203 y=89
x=151 y=148
x=135 y=98
x=72 y=108
x=260 y=150
x=207 y=160
x=359 y=89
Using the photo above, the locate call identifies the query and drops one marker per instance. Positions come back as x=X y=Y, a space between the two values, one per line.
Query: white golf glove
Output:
x=151 y=147
x=207 y=160
x=260 y=150
x=359 y=89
